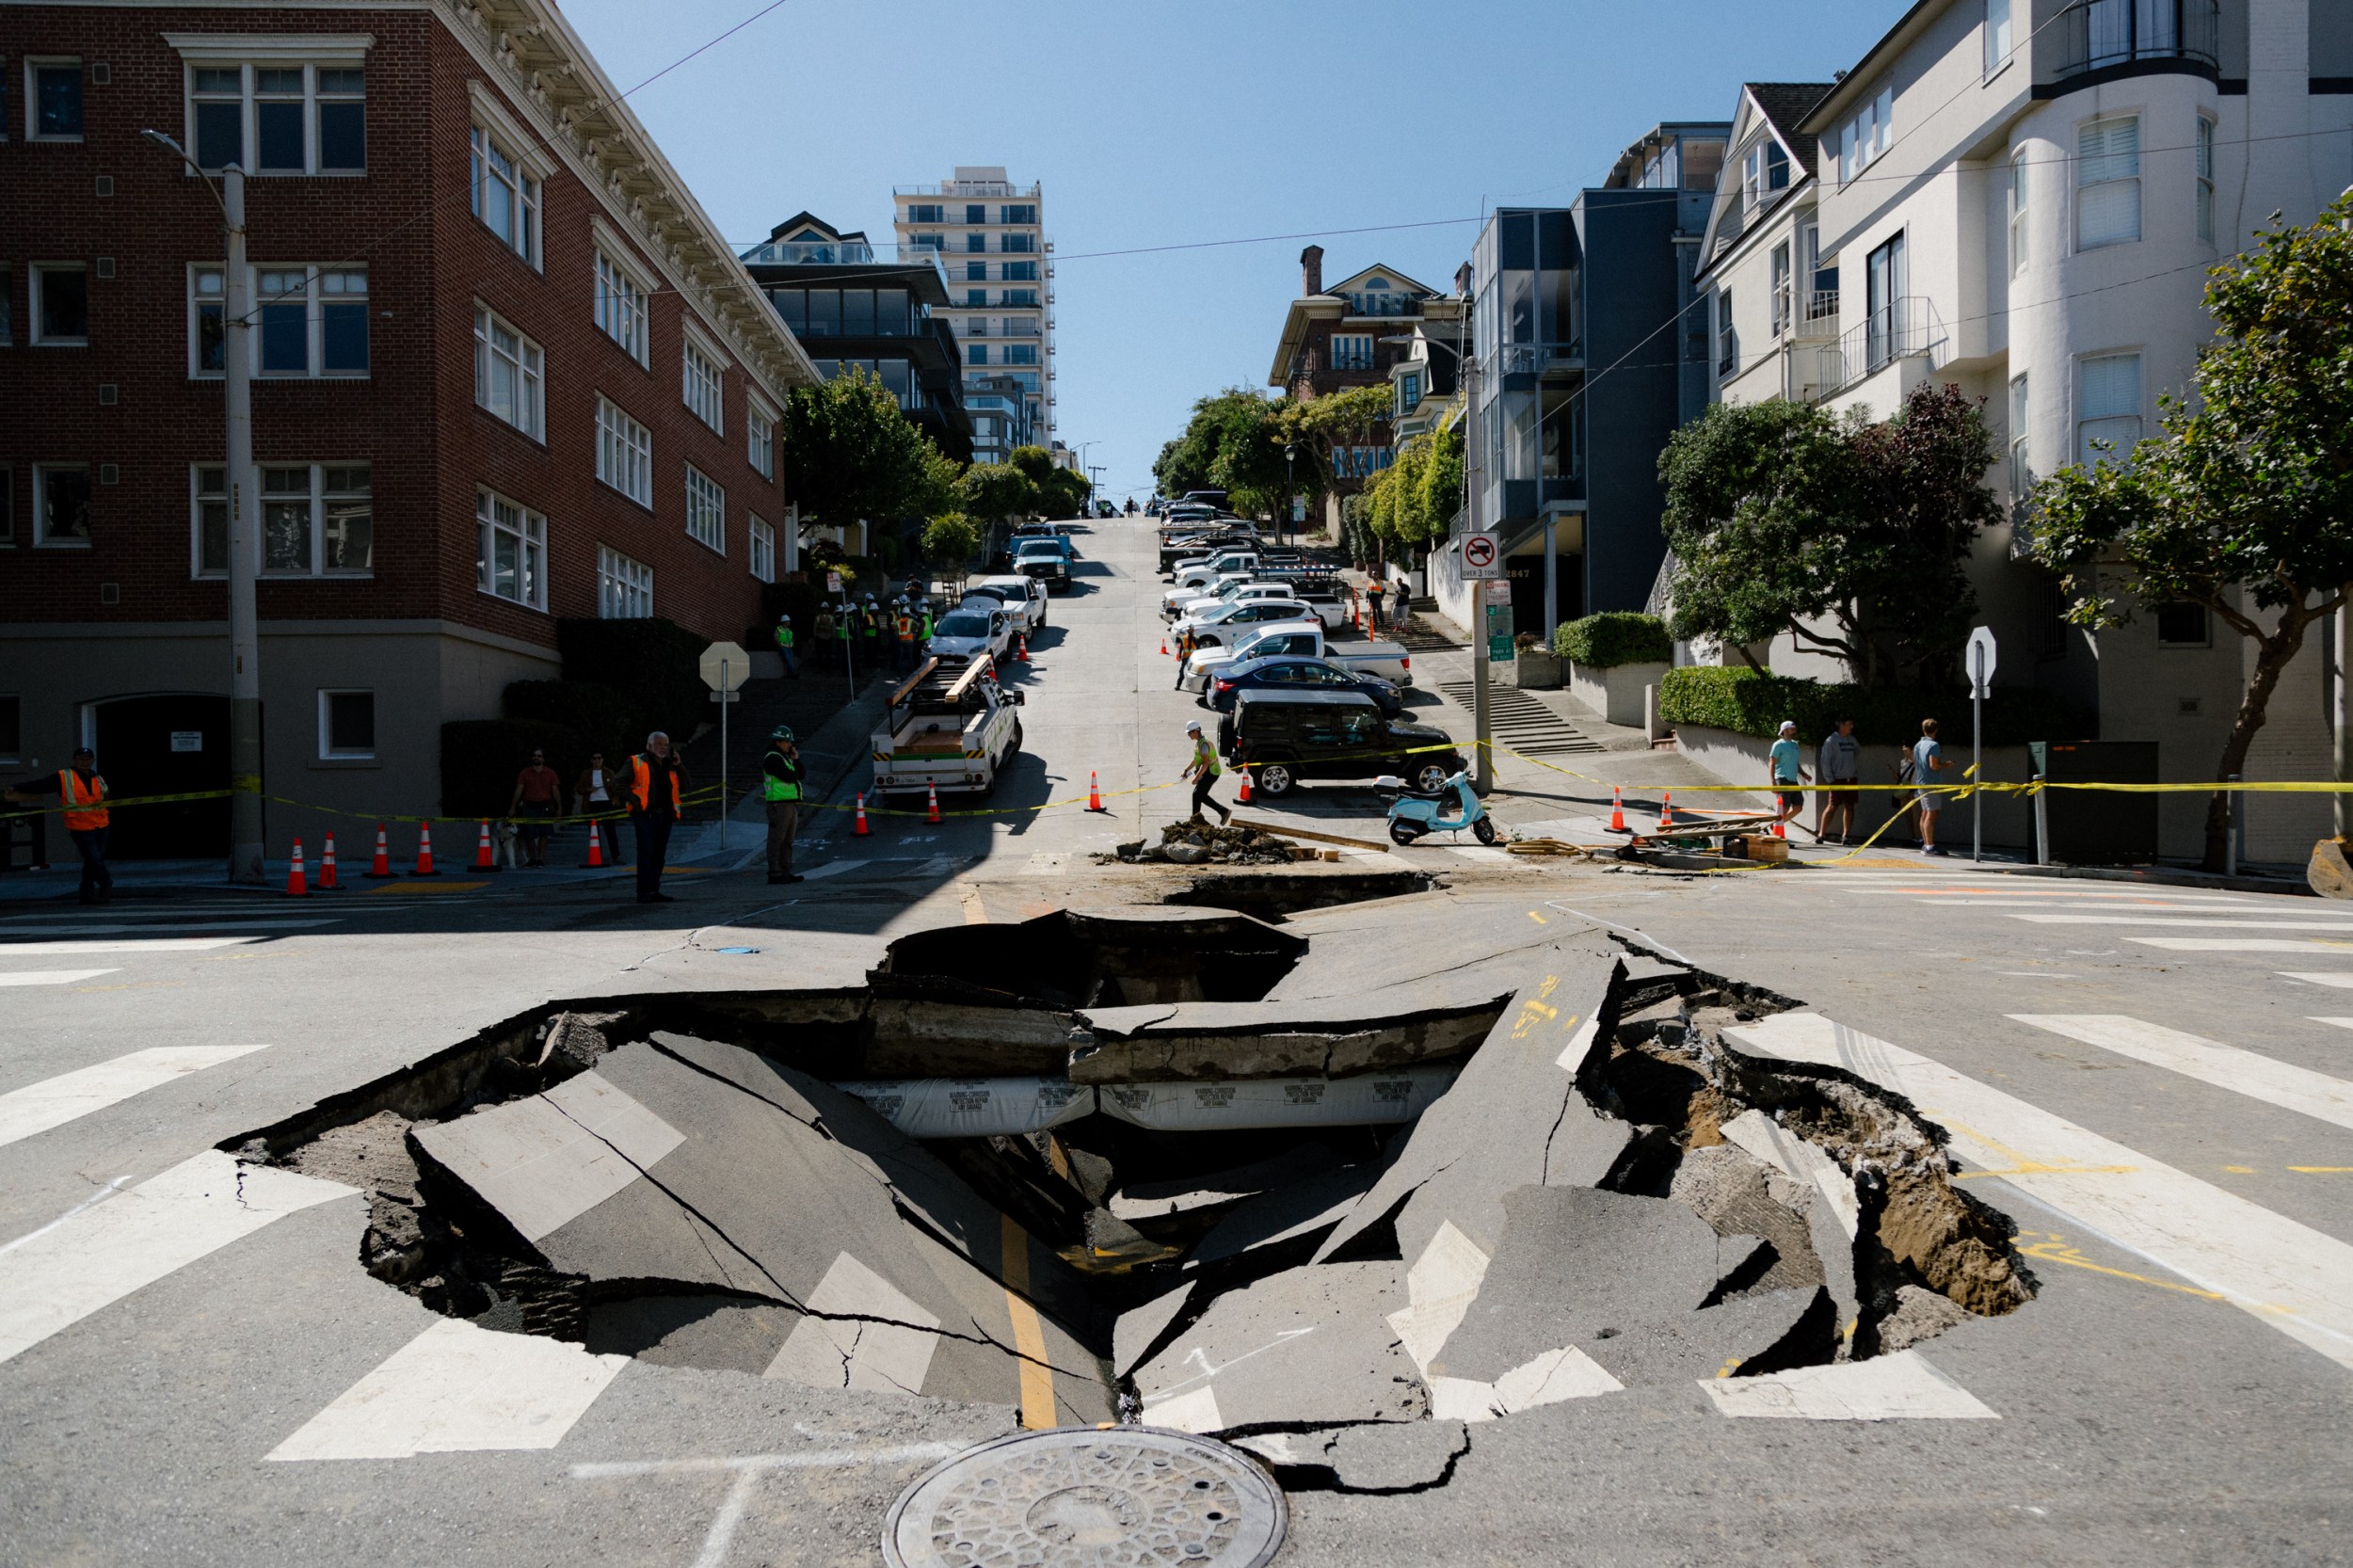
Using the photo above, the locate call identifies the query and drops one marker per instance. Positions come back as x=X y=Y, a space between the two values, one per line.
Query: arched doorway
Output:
x=165 y=743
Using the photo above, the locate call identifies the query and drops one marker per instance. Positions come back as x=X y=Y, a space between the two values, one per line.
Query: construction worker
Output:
x=784 y=647
x=657 y=785
x=903 y=628
x=781 y=787
x=870 y=634
x=844 y=627
x=1203 y=770
x=923 y=623
x=821 y=636
x=83 y=793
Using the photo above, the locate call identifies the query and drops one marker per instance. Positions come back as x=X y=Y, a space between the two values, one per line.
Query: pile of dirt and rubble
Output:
x=1195 y=842
x=1450 y=1183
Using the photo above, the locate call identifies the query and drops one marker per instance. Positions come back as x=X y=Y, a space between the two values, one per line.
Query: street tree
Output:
x=1233 y=441
x=950 y=542
x=1322 y=427
x=851 y=454
x=998 y=493
x=2243 y=505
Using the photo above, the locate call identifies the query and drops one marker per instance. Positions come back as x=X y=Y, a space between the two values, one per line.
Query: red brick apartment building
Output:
x=1343 y=337
x=507 y=370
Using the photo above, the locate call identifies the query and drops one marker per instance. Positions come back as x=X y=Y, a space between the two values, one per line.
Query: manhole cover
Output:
x=1100 y=1497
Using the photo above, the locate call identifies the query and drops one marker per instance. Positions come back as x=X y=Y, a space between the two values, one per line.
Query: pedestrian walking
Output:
x=781 y=787
x=1372 y=599
x=657 y=787
x=821 y=635
x=597 y=794
x=1789 y=776
x=784 y=647
x=82 y=792
x=538 y=800
x=1839 y=760
x=1927 y=760
x=1203 y=770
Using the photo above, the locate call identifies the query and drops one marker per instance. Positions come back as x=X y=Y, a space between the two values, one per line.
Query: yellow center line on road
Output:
x=1029 y=1335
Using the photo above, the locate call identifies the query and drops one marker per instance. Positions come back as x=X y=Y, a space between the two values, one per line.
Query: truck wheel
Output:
x=1403 y=832
x=1484 y=830
x=1014 y=745
x=1430 y=778
x=1274 y=780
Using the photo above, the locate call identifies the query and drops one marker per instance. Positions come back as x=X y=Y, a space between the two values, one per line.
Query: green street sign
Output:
x=1500 y=650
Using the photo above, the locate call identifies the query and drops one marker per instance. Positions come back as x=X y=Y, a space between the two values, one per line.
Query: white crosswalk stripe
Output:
x=53 y=1103
x=2242 y=944
x=2296 y=1279
x=154 y=945
x=62 y=1273
x=2165 y=919
x=2243 y=1072
x=2341 y=981
x=218 y=926
x=1899 y=1388
x=50 y=977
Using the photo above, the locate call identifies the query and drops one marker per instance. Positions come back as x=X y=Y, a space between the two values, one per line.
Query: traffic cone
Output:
x=296 y=886
x=425 y=850
x=382 y=868
x=1163 y=645
x=326 y=882
x=1666 y=807
x=1094 y=795
x=596 y=849
x=1779 y=831
x=1021 y=648
x=1242 y=797
x=482 y=860
x=860 y=829
x=933 y=815
x=1617 y=809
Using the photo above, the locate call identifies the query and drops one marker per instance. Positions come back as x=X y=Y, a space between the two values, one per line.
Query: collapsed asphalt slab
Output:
x=1309 y=1346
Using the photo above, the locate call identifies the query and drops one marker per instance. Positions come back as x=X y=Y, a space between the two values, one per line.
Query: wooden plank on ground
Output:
x=1287 y=832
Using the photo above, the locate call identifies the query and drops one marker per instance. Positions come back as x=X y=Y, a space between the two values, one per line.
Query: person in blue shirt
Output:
x=1927 y=760
x=1788 y=767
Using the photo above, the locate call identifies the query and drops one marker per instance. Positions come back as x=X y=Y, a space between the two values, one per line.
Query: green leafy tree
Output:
x=996 y=491
x=1320 y=427
x=851 y=454
x=950 y=542
x=1233 y=441
x=2244 y=504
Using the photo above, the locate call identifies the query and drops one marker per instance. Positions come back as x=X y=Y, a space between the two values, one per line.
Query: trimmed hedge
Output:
x=1749 y=703
x=1615 y=638
x=599 y=718
x=480 y=759
x=654 y=663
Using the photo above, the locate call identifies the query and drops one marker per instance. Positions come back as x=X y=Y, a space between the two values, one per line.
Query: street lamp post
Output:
x=246 y=844
x=1291 y=489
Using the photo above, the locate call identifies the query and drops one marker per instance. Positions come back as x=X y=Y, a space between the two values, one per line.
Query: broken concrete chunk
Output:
x=1514 y=1118
x=1378 y=1458
x=1294 y=1216
x=1833 y=1214
x=1308 y=1344
x=1154 y=1200
x=1730 y=1189
x=1139 y=1332
x=1919 y=1315
x=1266 y=1039
x=736 y=1333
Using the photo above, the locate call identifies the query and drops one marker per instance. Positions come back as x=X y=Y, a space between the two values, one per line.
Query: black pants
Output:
x=1201 y=788
x=784 y=825
x=653 y=847
x=97 y=881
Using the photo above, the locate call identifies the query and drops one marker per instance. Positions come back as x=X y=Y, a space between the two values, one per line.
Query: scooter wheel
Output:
x=1485 y=829
x=1403 y=833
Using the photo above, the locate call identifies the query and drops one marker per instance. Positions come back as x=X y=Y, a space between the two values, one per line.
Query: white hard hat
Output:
x=1193 y=727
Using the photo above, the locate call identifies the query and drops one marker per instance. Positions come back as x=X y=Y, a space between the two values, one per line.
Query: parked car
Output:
x=1289 y=737
x=1308 y=639
x=1222 y=623
x=1298 y=672
x=1047 y=560
x=1239 y=588
x=968 y=632
x=1024 y=599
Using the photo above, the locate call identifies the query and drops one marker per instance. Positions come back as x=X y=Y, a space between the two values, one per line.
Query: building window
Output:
x=53 y=99
x=2021 y=466
x=2205 y=179
x=61 y=304
x=624 y=453
x=298 y=118
x=1026 y=354
x=624 y=587
x=1996 y=35
x=1019 y=272
x=1021 y=296
x=505 y=196
x=704 y=391
x=1763 y=174
x=976 y=241
x=976 y=272
x=2108 y=407
x=2108 y=183
x=2017 y=202
x=1352 y=351
x=976 y=354
x=975 y=213
x=706 y=510
x=61 y=505
x=1727 y=339
x=763 y=550
x=1018 y=215
x=1020 y=243
x=309 y=321
x=974 y=299
x=508 y=379
x=929 y=242
x=1783 y=298
x=511 y=552
x=621 y=313
x=317 y=519
x=927 y=213
x=760 y=439
x=1868 y=132
x=2184 y=626
x=1408 y=392
x=346 y=724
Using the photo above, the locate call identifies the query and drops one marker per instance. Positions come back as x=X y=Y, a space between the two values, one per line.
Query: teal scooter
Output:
x=1412 y=815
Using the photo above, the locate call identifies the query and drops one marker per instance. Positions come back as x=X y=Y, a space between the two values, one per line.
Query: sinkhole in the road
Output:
x=1279 y=1181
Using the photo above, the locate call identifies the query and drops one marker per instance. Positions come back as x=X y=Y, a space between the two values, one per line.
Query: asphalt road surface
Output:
x=2155 y=1086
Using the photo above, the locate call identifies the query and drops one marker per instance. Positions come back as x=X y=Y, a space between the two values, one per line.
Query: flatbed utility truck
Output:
x=950 y=725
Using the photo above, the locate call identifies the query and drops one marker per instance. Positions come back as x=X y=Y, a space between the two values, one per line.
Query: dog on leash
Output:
x=503 y=838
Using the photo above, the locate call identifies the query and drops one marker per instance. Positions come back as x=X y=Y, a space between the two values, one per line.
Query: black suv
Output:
x=1287 y=737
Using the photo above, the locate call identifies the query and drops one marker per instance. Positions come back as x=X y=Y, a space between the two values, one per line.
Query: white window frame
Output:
x=1348 y=358
x=1727 y=337
x=2204 y=153
x=250 y=97
x=706 y=511
x=759 y=437
x=492 y=130
x=2020 y=229
x=1868 y=132
x=2109 y=165
x=328 y=752
x=321 y=287
x=40 y=508
x=2021 y=437
x=1781 y=273
x=2111 y=427
x=624 y=453
x=623 y=297
x=527 y=365
x=33 y=273
x=1998 y=36
x=319 y=497
x=761 y=551
x=703 y=379
x=529 y=529
x=624 y=585
x=28 y=75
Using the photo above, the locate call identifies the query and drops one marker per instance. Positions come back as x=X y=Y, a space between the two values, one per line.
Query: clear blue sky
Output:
x=1177 y=123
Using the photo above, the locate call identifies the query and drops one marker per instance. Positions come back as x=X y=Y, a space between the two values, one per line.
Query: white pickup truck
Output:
x=1301 y=639
x=951 y=727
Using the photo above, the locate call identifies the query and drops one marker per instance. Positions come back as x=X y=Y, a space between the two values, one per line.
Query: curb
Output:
x=2163 y=877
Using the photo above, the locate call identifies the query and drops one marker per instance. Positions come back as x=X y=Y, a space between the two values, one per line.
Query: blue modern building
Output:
x=1588 y=349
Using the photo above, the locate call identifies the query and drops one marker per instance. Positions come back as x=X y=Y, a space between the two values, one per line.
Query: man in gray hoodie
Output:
x=1841 y=759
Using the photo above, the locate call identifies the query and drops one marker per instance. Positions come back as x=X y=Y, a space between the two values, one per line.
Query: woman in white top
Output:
x=595 y=794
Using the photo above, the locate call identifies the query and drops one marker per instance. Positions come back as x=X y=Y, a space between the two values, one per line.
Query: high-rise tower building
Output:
x=991 y=238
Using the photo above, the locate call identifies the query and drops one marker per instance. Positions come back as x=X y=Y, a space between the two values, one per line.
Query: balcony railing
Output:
x=1901 y=329
x=968 y=187
x=834 y=253
x=2094 y=35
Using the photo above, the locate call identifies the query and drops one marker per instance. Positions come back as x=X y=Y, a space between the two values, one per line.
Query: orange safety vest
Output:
x=81 y=810
x=906 y=628
x=641 y=784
